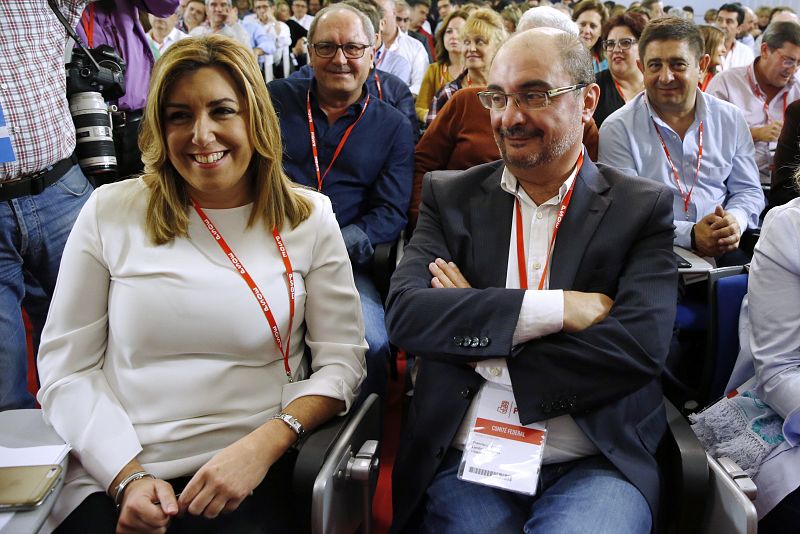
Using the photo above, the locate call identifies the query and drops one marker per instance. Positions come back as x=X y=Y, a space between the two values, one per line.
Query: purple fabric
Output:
x=120 y=28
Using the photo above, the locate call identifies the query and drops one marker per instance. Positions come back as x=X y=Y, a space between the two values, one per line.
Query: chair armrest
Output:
x=739 y=477
x=683 y=463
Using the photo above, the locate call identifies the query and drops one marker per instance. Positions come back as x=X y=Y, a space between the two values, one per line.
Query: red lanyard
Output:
x=382 y=53
x=619 y=89
x=378 y=84
x=704 y=84
x=321 y=177
x=88 y=25
x=688 y=196
x=259 y=296
x=562 y=210
x=751 y=77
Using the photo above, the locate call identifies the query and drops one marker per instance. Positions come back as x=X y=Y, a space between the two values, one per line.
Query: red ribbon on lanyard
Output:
x=706 y=80
x=562 y=210
x=378 y=84
x=619 y=89
x=759 y=94
x=88 y=25
x=259 y=296
x=321 y=177
x=688 y=196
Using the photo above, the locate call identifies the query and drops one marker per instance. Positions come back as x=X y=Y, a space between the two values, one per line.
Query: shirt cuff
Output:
x=683 y=234
x=541 y=314
x=741 y=218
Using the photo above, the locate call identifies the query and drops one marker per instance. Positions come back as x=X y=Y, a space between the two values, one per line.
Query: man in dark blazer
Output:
x=593 y=372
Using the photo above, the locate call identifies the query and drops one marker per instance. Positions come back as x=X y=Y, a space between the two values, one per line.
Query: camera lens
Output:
x=93 y=135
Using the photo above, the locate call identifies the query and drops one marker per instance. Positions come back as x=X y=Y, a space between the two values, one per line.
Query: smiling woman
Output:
x=182 y=381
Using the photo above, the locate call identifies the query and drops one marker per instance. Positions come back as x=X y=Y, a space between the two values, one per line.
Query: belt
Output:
x=120 y=119
x=35 y=183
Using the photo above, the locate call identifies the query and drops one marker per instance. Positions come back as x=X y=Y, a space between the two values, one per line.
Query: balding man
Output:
x=355 y=148
x=538 y=292
x=764 y=89
x=402 y=44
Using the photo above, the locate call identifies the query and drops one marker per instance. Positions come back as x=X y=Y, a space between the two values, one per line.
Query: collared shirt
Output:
x=33 y=93
x=259 y=38
x=542 y=313
x=444 y=94
x=728 y=173
x=172 y=37
x=234 y=31
x=415 y=54
x=391 y=90
x=740 y=87
x=277 y=30
x=370 y=183
x=738 y=56
x=392 y=62
x=305 y=22
x=121 y=29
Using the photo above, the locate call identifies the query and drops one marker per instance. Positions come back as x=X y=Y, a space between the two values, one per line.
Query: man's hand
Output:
x=717 y=233
x=300 y=48
x=147 y=506
x=582 y=310
x=226 y=479
x=446 y=274
x=768 y=133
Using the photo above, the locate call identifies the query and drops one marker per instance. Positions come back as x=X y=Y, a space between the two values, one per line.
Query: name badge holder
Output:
x=500 y=452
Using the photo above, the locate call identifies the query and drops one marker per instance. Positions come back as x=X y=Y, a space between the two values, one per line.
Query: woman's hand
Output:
x=229 y=477
x=147 y=505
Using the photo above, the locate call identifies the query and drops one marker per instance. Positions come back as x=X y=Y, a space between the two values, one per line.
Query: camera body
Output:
x=89 y=85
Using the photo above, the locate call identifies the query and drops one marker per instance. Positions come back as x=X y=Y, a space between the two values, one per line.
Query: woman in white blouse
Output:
x=769 y=333
x=173 y=356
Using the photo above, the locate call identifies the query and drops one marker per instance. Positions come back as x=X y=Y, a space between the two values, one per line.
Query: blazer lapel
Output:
x=586 y=209
x=490 y=213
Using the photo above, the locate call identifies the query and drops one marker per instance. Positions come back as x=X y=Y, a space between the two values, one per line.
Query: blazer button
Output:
x=457 y=340
x=475 y=342
x=467 y=392
x=466 y=342
x=484 y=342
x=546 y=408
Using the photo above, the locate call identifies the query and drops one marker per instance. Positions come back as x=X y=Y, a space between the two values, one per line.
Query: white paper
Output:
x=500 y=452
x=43 y=455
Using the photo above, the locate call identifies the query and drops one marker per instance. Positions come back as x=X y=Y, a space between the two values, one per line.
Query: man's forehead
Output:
x=343 y=24
x=732 y=15
x=668 y=50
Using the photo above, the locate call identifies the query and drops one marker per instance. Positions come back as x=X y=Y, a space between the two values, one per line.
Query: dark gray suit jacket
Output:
x=616 y=239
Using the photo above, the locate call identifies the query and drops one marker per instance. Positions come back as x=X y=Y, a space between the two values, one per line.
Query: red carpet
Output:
x=392 y=416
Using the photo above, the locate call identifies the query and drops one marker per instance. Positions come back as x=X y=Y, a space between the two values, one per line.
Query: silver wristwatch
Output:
x=293 y=423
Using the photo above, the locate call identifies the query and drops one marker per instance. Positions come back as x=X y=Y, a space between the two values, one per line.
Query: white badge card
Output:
x=500 y=452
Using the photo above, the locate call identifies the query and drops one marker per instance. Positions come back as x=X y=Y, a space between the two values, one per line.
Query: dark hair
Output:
x=412 y=3
x=635 y=22
x=672 y=29
x=442 y=55
x=778 y=33
x=737 y=8
x=688 y=9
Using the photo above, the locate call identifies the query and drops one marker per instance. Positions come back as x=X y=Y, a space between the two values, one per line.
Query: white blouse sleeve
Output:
x=774 y=312
x=75 y=396
x=334 y=325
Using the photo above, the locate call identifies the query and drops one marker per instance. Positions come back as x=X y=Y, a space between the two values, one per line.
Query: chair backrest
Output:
x=727 y=296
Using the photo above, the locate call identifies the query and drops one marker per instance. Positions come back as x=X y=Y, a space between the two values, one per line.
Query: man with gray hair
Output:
x=217 y=12
x=763 y=89
x=546 y=17
x=355 y=148
x=538 y=293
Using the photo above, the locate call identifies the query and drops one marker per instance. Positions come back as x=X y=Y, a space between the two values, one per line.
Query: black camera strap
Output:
x=70 y=31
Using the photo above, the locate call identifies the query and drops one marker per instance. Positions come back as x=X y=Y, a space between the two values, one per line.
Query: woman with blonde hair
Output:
x=449 y=61
x=172 y=360
x=482 y=34
x=714 y=40
x=591 y=17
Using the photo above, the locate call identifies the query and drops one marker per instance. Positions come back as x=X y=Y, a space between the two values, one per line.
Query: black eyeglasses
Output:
x=498 y=101
x=350 y=50
x=624 y=44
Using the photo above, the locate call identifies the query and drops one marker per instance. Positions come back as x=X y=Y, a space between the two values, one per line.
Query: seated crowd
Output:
x=540 y=163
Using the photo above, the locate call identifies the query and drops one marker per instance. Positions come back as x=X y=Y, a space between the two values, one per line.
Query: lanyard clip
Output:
x=289 y=376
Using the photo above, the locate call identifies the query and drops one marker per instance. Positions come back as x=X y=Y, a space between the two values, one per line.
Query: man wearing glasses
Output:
x=696 y=144
x=548 y=283
x=355 y=148
x=764 y=89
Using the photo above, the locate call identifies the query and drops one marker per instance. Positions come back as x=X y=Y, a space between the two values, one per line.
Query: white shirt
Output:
x=738 y=56
x=740 y=87
x=305 y=22
x=542 y=313
x=415 y=54
x=234 y=31
x=172 y=37
x=162 y=353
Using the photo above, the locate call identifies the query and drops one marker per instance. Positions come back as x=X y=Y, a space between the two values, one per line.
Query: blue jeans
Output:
x=586 y=495
x=375 y=332
x=33 y=231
